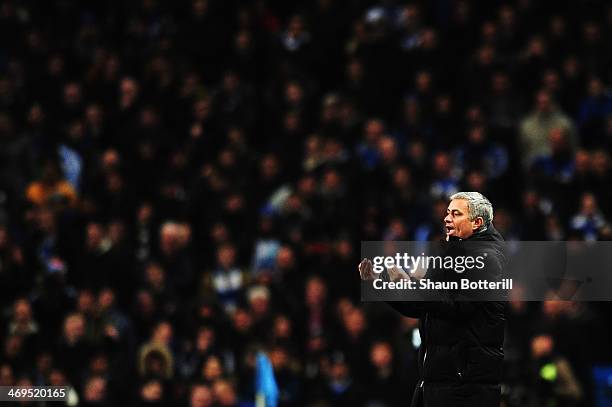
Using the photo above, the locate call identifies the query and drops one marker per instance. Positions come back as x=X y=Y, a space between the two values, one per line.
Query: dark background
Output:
x=183 y=183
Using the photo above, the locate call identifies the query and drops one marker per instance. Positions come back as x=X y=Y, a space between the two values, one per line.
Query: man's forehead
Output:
x=458 y=204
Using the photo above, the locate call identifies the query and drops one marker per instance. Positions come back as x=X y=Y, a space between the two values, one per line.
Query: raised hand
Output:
x=366 y=270
x=396 y=273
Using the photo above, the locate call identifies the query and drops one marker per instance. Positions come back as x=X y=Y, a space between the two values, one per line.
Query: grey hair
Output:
x=478 y=206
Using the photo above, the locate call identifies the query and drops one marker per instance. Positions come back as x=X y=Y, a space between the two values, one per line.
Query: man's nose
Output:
x=447 y=218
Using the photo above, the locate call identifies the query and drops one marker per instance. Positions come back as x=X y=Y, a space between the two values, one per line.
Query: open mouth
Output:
x=449 y=229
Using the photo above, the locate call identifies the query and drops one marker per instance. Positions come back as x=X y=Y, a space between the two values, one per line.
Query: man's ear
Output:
x=478 y=222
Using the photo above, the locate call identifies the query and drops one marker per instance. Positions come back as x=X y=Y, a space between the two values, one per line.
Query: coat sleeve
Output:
x=412 y=309
x=447 y=306
x=441 y=309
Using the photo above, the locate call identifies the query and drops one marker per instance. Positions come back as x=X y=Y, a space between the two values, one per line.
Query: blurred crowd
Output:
x=185 y=183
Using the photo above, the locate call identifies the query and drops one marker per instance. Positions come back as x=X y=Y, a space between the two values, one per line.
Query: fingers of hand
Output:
x=365 y=269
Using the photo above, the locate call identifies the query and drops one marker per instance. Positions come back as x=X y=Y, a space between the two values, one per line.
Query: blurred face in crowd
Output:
x=536 y=47
x=282 y=327
x=355 y=323
x=500 y=83
x=354 y=70
x=279 y=358
x=205 y=339
x=212 y=369
x=170 y=239
x=442 y=164
x=507 y=17
x=374 y=130
x=226 y=256
x=343 y=307
x=6 y=375
x=74 y=328
x=35 y=115
x=22 y=312
x=307 y=186
x=296 y=26
x=476 y=181
x=99 y=364
x=541 y=346
x=128 y=89
x=381 y=355
x=85 y=302
x=163 y=333
x=477 y=135
x=588 y=205
x=457 y=221
x=230 y=81
x=331 y=181
x=557 y=26
x=411 y=110
x=429 y=39
x=201 y=396
x=155 y=276
x=72 y=94
x=259 y=301
x=110 y=160
x=4 y=238
x=106 y=299
x=486 y=55
x=557 y=140
x=116 y=231
x=550 y=81
x=571 y=67
x=242 y=320
x=423 y=82
x=149 y=118
x=155 y=364
x=388 y=149
x=292 y=122
x=219 y=233
x=13 y=346
x=224 y=393
x=600 y=163
x=294 y=93
x=93 y=115
x=55 y=65
x=95 y=235
x=44 y=362
x=443 y=105
x=582 y=161
x=595 y=87
x=95 y=390
x=344 y=249
x=591 y=32
x=543 y=102
x=489 y=31
x=269 y=167
x=284 y=258
x=315 y=292
x=57 y=378
x=145 y=303
x=397 y=229
x=201 y=109
x=152 y=391
x=530 y=200
x=242 y=41
x=339 y=371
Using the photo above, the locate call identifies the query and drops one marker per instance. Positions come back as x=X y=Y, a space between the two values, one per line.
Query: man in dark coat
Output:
x=461 y=354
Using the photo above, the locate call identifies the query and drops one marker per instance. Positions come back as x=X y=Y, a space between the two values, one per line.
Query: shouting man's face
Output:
x=457 y=221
